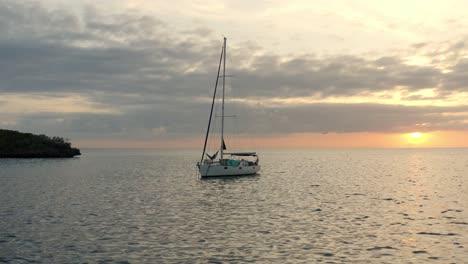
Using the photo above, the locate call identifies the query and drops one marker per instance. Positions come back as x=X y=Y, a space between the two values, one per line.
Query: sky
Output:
x=134 y=73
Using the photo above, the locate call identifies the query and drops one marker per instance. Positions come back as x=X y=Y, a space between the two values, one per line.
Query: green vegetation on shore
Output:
x=14 y=144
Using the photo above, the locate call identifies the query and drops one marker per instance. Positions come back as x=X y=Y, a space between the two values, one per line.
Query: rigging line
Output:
x=226 y=116
x=234 y=104
x=212 y=103
x=237 y=130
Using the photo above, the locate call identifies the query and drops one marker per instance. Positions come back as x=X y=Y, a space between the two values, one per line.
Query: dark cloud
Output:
x=124 y=52
x=334 y=76
x=189 y=119
x=154 y=76
x=345 y=118
x=457 y=78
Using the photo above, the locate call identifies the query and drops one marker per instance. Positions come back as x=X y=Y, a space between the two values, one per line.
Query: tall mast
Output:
x=222 y=107
x=212 y=105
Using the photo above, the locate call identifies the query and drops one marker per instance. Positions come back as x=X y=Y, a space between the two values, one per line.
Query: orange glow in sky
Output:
x=437 y=139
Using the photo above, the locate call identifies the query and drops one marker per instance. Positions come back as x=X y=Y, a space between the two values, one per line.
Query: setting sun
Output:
x=416 y=138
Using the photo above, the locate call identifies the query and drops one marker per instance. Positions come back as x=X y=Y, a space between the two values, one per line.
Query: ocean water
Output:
x=306 y=206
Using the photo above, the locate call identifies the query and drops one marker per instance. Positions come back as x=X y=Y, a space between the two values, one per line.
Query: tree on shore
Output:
x=15 y=144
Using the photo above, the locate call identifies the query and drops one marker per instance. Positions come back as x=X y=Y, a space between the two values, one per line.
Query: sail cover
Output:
x=242 y=153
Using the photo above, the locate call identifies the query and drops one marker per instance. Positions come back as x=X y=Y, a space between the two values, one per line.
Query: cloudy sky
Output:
x=140 y=73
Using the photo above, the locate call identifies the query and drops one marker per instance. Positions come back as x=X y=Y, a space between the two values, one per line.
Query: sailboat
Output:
x=226 y=163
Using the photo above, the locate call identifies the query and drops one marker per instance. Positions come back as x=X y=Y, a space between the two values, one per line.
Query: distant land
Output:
x=14 y=144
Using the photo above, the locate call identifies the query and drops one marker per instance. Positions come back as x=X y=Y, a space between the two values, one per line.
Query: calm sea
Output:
x=306 y=206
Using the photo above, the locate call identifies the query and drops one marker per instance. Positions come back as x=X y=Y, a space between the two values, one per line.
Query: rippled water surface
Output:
x=148 y=206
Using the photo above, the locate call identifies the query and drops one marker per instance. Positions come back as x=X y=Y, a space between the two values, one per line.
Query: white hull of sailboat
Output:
x=213 y=170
